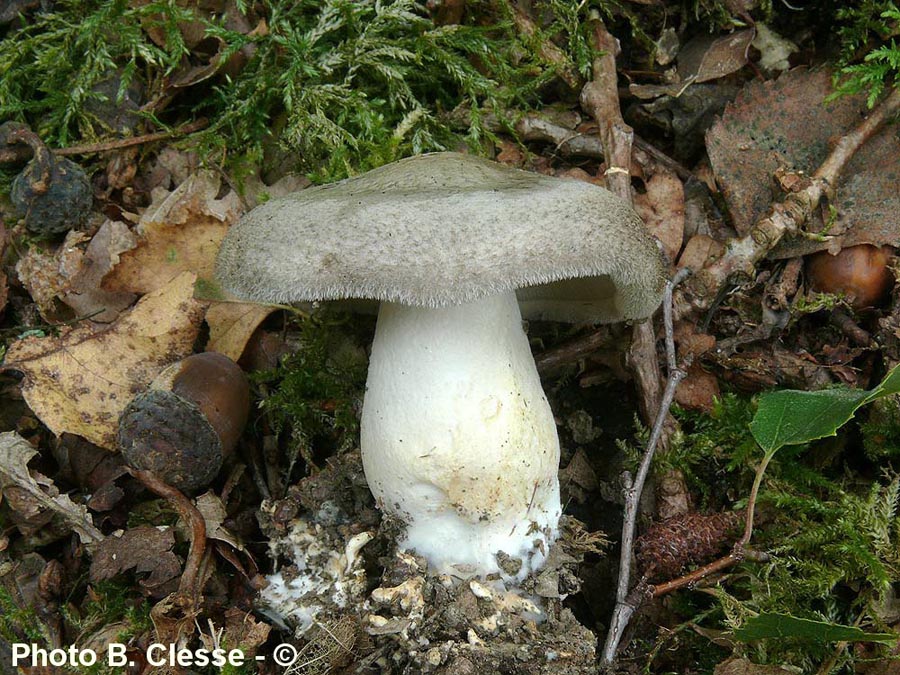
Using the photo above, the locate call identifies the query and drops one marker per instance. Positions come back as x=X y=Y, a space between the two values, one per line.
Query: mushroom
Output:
x=457 y=438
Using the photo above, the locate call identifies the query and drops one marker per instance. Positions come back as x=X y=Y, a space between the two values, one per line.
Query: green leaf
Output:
x=785 y=626
x=792 y=417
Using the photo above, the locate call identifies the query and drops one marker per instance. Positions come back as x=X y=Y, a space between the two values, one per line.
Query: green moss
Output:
x=881 y=430
x=870 y=56
x=834 y=540
x=340 y=85
x=18 y=623
x=315 y=394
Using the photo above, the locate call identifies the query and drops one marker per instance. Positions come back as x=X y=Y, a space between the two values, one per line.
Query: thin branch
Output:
x=626 y=605
x=109 y=146
x=572 y=351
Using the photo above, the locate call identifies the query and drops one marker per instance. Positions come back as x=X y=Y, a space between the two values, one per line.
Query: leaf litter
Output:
x=789 y=124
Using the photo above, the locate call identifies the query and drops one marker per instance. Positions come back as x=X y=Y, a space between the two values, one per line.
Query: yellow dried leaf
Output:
x=81 y=381
x=180 y=234
x=231 y=324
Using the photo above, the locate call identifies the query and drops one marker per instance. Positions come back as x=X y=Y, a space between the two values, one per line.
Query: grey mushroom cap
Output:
x=446 y=229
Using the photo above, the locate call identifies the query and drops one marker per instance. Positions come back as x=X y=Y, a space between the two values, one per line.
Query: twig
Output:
x=662 y=158
x=567 y=142
x=625 y=605
x=188 y=585
x=108 y=146
x=742 y=254
x=572 y=351
x=600 y=98
x=845 y=323
x=692 y=578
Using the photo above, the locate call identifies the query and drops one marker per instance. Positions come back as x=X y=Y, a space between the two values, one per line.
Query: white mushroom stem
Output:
x=458 y=440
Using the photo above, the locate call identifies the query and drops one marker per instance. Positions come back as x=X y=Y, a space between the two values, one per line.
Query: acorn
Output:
x=858 y=273
x=52 y=194
x=188 y=422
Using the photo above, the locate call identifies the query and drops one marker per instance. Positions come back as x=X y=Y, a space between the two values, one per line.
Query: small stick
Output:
x=625 y=606
x=189 y=583
x=700 y=573
x=845 y=323
x=572 y=351
x=108 y=146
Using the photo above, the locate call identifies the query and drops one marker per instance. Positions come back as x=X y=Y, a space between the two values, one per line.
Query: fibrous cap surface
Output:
x=444 y=229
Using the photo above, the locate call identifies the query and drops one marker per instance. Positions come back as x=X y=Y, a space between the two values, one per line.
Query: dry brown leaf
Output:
x=785 y=124
x=243 y=630
x=39 y=272
x=15 y=453
x=703 y=59
x=83 y=292
x=699 y=251
x=181 y=233
x=72 y=273
x=213 y=511
x=81 y=381
x=662 y=209
x=144 y=549
x=698 y=390
x=708 y=58
x=232 y=324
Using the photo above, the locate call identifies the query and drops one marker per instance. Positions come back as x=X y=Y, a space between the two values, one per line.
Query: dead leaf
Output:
x=786 y=124
x=699 y=251
x=708 y=58
x=241 y=631
x=72 y=273
x=39 y=273
x=662 y=209
x=703 y=59
x=81 y=381
x=244 y=631
x=576 y=173
x=181 y=233
x=144 y=549
x=213 y=511
x=15 y=453
x=232 y=324
x=698 y=390
x=83 y=292
x=510 y=154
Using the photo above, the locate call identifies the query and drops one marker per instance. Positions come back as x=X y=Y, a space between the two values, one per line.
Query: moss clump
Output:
x=833 y=540
x=342 y=85
x=316 y=393
x=868 y=63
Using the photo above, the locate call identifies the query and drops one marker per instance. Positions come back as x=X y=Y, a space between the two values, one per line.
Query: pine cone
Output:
x=668 y=547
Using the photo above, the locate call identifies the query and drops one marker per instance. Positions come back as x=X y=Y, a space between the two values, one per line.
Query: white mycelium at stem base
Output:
x=458 y=440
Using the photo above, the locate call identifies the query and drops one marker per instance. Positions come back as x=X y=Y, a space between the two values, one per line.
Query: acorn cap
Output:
x=445 y=229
